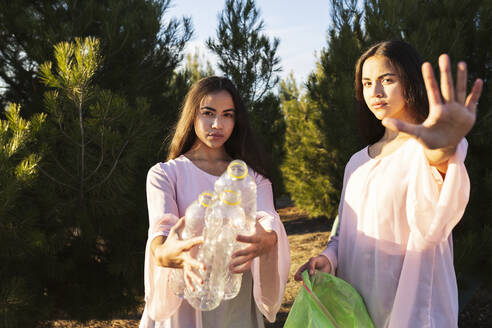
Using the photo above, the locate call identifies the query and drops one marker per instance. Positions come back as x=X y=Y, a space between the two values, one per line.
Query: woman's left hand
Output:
x=450 y=117
x=260 y=242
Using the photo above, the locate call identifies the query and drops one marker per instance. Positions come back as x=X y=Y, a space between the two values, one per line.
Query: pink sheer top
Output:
x=171 y=187
x=394 y=242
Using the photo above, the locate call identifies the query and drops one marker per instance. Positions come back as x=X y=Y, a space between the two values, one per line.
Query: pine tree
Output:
x=249 y=58
x=140 y=51
x=320 y=141
x=246 y=56
x=196 y=67
x=269 y=123
x=84 y=203
x=304 y=156
x=19 y=238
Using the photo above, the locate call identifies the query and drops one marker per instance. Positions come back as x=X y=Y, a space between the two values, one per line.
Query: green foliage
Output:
x=195 y=69
x=76 y=65
x=140 y=45
x=304 y=154
x=96 y=125
x=18 y=239
x=269 y=123
x=246 y=56
x=95 y=141
x=17 y=164
x=76 y=249
x=320 y=126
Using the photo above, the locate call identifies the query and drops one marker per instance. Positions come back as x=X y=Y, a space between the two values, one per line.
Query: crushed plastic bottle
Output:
x=222 y=224
x=194 y=224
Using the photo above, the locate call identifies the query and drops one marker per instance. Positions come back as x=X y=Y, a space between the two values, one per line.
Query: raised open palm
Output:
x=451 y=116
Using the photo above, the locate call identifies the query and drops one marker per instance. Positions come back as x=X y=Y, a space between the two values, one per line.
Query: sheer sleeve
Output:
x=163 y=214
x=433 y=208
x=434 y=205
x=331 y=250
x=270 y=271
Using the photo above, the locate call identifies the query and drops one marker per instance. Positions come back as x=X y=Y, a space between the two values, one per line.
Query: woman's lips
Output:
x=215 y=135
x=378 y=105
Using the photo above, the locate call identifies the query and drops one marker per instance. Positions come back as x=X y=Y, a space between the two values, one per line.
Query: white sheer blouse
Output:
x=394 y=242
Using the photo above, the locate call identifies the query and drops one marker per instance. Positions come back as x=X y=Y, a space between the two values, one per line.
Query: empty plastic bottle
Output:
x=236 y=177
x=195 y=215
x=194 y=224
x=222 y=224
x=233 y=281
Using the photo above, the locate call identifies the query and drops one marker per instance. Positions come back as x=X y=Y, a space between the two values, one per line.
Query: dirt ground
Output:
x=307 y=238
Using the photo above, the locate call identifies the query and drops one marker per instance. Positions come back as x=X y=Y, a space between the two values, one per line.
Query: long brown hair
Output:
x=240 y=145
x=407 y=63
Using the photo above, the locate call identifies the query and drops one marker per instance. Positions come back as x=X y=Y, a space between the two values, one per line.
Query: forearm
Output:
x=269 y=272
x=271 y=240
x=439 y=157
x=268 y=260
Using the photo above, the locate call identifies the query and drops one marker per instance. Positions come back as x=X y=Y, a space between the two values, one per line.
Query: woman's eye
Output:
x=366 y=84
x=207 y=113
x=230 y=115
x=387 y=81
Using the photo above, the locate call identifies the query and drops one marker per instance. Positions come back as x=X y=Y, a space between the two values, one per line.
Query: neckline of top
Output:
x=366 y=152
x=197 y=168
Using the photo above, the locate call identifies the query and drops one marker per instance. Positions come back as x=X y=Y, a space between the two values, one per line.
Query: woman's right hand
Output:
x=172 y=252
x=319 y=262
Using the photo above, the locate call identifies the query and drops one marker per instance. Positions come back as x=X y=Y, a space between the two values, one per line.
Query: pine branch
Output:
x=63 y=168
x=66 y=135
x=112 y=169
x=55 y=180
x=82 y=149
x=101 y=158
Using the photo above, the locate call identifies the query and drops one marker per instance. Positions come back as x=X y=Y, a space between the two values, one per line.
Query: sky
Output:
x=301 y=27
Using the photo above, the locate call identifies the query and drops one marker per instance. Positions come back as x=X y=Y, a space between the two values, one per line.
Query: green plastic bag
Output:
x=326 y=301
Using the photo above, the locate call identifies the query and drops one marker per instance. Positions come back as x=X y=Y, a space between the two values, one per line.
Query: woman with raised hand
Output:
x=406 y=190
x=212 y=130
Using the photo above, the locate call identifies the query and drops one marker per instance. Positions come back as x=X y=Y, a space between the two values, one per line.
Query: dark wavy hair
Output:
x=407 y=63
x=241 y=144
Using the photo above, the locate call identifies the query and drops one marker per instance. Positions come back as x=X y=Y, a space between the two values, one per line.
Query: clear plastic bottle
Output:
x=222 y=223
x=233 y=281
x=239 y=226
x=195 y=215
x=194 y=224
x=236 y=177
